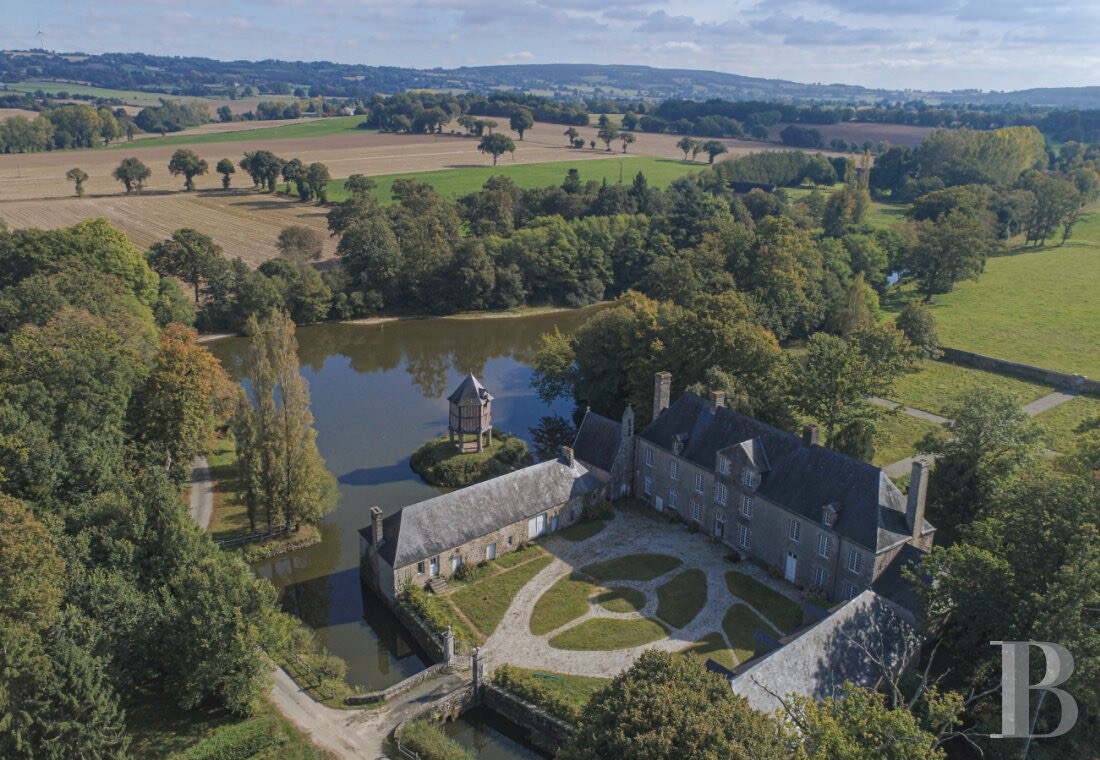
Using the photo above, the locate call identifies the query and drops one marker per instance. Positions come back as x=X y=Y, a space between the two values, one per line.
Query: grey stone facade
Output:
x=825 y=521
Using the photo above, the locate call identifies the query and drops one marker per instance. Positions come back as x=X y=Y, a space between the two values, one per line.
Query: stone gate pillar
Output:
x=448 y=646
x=477 y=664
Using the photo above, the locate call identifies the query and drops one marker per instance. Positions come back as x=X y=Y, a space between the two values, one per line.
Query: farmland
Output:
x=243 y=223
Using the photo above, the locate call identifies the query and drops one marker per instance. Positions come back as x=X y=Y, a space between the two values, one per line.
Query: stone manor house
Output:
x=823 y=520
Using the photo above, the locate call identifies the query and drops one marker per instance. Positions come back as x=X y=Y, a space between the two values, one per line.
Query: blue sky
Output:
x=920 y=44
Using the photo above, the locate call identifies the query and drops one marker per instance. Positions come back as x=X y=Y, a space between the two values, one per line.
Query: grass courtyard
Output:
x=609 y=634
x=785 y=613
x=1065 y=424
x=632 y=567
x=484 y=603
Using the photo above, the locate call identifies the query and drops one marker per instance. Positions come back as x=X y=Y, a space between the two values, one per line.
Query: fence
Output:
x=240 y=540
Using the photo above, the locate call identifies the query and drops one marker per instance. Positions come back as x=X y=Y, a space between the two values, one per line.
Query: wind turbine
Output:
x=40 y=37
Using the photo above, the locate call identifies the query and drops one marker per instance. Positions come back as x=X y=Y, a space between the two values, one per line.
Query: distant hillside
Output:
x=199 y=76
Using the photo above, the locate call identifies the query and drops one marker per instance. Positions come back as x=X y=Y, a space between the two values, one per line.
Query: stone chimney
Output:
x=567 y=455
x=628 y=422
x=376 y=524
x=662 y=392
x=810 y=435
x=717 y=400
x=918 y=494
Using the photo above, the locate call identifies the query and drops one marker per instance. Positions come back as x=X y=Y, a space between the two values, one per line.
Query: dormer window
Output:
x=829 y=513
x=723 y=466
x=678 y=443
x=749 y=478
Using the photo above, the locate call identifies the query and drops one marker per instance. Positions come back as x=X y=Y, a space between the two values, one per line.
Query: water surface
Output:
x=379 y=392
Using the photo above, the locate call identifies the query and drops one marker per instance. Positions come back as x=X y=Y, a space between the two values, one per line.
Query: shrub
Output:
x=597 y=508
x=237 y=742
x=427 y=739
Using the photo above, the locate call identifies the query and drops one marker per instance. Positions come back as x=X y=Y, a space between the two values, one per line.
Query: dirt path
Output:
x=353 y=734
x=513 y=641
x=202 y=493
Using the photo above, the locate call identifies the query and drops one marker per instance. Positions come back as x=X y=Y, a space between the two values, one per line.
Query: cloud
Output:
x=523 y=55
x=807 y=32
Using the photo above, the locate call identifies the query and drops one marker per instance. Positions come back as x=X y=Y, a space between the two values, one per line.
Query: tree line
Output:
x=111 y=594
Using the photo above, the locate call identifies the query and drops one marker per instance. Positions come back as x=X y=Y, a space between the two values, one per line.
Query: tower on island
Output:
x=471 y=414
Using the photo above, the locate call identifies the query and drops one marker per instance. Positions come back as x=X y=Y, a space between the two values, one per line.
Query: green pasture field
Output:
x=331 y=125
x=1036 y=306
x=52 y=88
x=938 y=386
x=457 y=182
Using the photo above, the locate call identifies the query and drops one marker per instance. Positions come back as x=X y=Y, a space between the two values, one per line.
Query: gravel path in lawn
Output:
x=628 y=533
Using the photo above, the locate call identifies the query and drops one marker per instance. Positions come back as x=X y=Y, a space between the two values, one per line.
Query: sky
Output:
x=914 y=44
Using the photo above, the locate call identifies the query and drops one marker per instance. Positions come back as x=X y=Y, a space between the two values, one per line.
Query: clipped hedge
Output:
x=238 y=742
x=427 y=739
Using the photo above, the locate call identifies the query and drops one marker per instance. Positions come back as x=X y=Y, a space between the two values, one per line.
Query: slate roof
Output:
x=817 y=661
x=469 y=391
x=800 y=478
x=893 y=585
x=431 y=527
x=598 y=440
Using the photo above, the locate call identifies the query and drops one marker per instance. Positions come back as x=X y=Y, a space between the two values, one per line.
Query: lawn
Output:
x=938 y=385
x=740 y=625
x=561 y=694
x=713 y=646
x=230 y=514
x=519 y=556
x=621 y=600
x=581 y=531
x=453 y=183
x=1036 y=307
x=485 y=602
x=784 y=613
x=331 y=125
x=563 y=602
x=897 y=435
x=439 y=463
x=1064 y=424
x=607 y=634
x=632 y=567
x=682 y=598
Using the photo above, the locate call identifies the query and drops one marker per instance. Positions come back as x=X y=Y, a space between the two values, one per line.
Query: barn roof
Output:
x=818 y=660
x=801 y=478
x=431 y=527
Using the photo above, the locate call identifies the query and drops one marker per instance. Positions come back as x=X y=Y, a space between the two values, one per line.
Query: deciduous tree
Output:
x=298 y=244
x=496 y=146
x=520 y=120
x=78 y=177
x=187 y=163
x=189 y=255
x=132 y=173
x=225 y=168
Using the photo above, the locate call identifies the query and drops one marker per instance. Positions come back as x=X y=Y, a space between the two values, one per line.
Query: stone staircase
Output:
x=437 y=586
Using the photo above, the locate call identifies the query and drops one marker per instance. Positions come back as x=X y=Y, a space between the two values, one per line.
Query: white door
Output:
x=456 y=562
x=658 y=503
x=491 y=551
x=792 y=563
x=435 y=566
x=540 y=524
x=532 y=527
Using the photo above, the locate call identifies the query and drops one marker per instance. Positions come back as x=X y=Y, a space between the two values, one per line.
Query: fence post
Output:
x=476 y=670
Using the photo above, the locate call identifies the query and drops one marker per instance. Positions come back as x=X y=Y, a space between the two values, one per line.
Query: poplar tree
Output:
x=285 y=473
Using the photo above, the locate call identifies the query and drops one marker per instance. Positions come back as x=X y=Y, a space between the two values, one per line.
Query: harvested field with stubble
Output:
x=861 y=131
x=243 y=223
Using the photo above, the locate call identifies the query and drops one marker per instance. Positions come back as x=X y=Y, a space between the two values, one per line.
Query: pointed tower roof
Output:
x=468 y=391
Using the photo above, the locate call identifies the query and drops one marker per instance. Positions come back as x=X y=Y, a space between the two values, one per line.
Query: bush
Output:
x=237 y=742
x=427 y=739
x=597 y=508
x=441 y=465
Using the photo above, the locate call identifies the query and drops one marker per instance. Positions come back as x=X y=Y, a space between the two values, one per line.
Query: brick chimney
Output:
x=376 y=524
x=717 y=400
x=662 y=392
x=918 y=494
x=810 y=435
x=567 y=455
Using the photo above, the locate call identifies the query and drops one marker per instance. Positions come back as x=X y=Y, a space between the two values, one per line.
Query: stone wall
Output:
x=429 y=640
x=397 y=689
x=525 y=714
x=1078 y=383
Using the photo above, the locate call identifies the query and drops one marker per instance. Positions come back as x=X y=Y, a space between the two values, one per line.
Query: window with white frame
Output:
x=648 y=456
x=744 y=535
x=794 y=530
x=696 y=511
x=746 y=506
x=850 y=591
x=723 y=465
x=674 y=469
x=821 y=577
x=824 y=545
x=648 y=485
x=673 y=497
x=420 y=568
x=721 y=493
x=855 y=561
x=719 y=524
x=699 y=483
x=748 y=477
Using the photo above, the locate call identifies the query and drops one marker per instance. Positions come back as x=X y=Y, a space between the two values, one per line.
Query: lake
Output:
x=379 y=391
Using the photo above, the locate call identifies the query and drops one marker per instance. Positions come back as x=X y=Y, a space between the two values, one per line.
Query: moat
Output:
x=378 y=392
